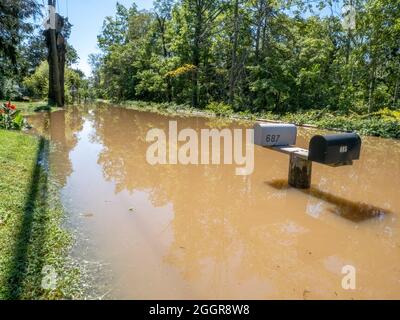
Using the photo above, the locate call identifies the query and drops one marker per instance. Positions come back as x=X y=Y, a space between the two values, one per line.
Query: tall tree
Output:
x=200 y=17
x=163 y=12
x=256 y=55
x=17 y=21
x=15 y=24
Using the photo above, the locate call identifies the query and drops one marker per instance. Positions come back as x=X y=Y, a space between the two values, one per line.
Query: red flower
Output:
x=10 y=106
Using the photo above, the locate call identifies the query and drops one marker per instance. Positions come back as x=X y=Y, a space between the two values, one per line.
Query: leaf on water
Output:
x=87 y=215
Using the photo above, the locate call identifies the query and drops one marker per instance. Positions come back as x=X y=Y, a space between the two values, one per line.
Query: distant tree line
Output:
x=254 y=55
x=279 y=55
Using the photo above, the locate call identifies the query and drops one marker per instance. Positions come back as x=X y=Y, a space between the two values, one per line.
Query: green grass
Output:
x=31 y=236
x=28 y=108
x=384 y=123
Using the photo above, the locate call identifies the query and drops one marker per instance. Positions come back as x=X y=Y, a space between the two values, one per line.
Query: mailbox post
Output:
x=299 y=172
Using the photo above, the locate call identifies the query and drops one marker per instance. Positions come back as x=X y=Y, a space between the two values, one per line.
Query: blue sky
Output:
x=87 y=18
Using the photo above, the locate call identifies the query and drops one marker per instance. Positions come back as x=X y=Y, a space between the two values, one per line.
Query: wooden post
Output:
x=299 y=172
x=55 y=91
x=61 y=51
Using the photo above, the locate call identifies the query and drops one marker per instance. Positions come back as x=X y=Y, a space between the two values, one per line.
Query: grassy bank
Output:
x=28 y=108
x=385 y=123
x=32 y=240
x=32 y=107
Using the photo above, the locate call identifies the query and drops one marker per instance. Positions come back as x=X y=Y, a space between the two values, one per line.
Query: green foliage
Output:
x=14 y=23
x=257 y=55
x=383 y=123
x=219 y=108
x=37 y=84
x=76 y=86
x=9 y=87
x=388 y=114
x=23 y=46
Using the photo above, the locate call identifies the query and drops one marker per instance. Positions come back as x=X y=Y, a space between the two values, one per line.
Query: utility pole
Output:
x=56 y=86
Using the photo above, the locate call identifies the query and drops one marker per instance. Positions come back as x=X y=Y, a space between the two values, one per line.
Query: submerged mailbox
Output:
x=332 y=150
x=336 y=149
x=269 y=135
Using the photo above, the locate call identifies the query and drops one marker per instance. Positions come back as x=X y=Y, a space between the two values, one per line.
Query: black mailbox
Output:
x=335 y=149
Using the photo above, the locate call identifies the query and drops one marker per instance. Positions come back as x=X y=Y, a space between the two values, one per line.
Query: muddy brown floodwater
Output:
x=201 y=232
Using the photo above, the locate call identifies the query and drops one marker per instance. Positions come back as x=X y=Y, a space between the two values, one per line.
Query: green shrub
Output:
x=37 y=84
x=220 y=108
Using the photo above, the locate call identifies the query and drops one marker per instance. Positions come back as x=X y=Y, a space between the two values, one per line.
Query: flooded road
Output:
x=201 y=232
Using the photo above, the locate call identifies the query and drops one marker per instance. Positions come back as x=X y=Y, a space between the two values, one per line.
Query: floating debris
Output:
x=87 y=215
x=305 y=293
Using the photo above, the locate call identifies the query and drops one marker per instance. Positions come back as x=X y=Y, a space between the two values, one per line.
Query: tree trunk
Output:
x=161 y=24
x=61 y=47
x=232 y=77
x=395 y=93
x=258 y=35
x=55 y=96
x=196 y=56
x=56 y=65
x=259 y=28
x=371 y=90
x=348 y=47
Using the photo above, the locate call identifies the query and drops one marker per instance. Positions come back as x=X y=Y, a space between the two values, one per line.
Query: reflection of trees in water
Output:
x=217 y=216
x=375 y=176
x=62 y=128
x=221 y=219
x=229 y=226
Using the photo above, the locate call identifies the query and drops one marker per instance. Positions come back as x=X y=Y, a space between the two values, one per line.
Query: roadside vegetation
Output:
x=33 y=243
x=31 y=107
x=34 y=247
x=385 y=123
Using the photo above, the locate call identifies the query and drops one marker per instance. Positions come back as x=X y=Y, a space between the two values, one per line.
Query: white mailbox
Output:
x=269 y=135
